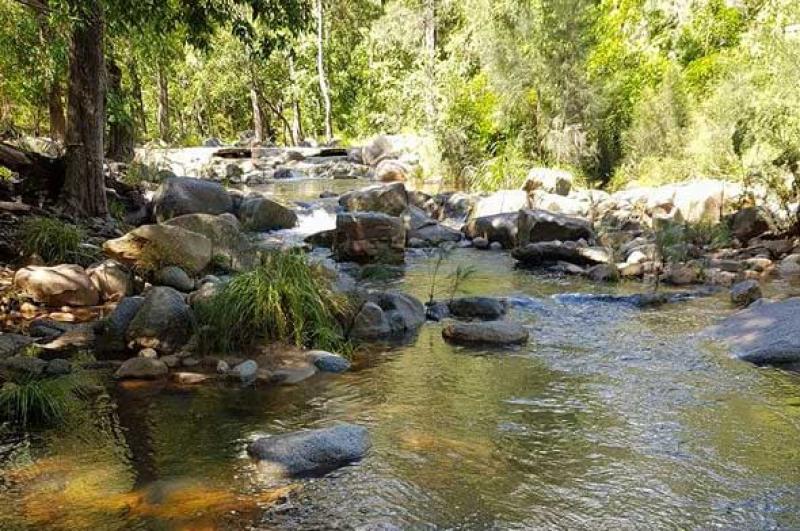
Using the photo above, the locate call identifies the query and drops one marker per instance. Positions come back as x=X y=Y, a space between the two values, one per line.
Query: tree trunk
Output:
x=258 y=120
x=84 y=185
x=120 y=130
x=163 y=104
x=430 y=61
x=136 y=90
x=297 y=119
x=323 y=80
x=55 y=104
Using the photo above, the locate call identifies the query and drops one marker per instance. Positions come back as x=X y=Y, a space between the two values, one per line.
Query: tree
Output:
x=323 y=79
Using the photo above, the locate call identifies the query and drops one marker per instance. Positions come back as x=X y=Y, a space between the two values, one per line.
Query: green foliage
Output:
x=55 y=241
x=459 y=276
x=27 y=400
x=285 y=299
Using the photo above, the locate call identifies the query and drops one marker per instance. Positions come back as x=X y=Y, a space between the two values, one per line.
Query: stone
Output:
x=228 y=242
x=24 y=366
x=188 y=378
x=391 y=170
x=637 y=257
x=13 y=344
x=245 y=372
x=790 y=265
x=185 y=195
x=681 y=274
x=501 y=228
x=212 y=142
x=385 y=315
x=558 y=204
x=164 y=321
x=313 y=451
x=496 y=246
x=426 y=230
x=223 y=367
x=148 y=353
x=58 y=367
x=536 y=226
x=745 y=293
x=262 y=215
x=550 y=180
x=603 y=273
x=438 y=311
x=547 y=253
x=328 y=362
x=765 y=333
x=62 y=285
x=111 y=331
x=365 y=237
x=485 y=308
x=171 y=360
x=183 y=247
x=500 y=202
x=486 y=333
x=389 y=199
x=174 y=277
x=142 y=369
x=748 y=223
x=480 y=243
x=112 y=280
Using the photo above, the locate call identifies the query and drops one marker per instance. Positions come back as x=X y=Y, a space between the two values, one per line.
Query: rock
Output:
x=488 y=333
x=501 y=202
x=21 y=366
x=321 y=239
x=58 y=367
x=438 y=311
x=498 y=228
x=312 y=452
x=766 y=333
x=174 y=277
x=485 y=308
x=62 y=285
x=245 y=372
x=148 y=353
x=541 y=226
x=261 y=215
x=389 y=147
x=223 y=367
x=327 y=362
x=171 y=361
x=790 y=266
x=141 y=369
x=212 y=142
x=180 y=246
x=748 y=223
x=550 y=180
x=426 y=230
x=545 y=253
x=112 y=280
x=681 y=274
x=480 y=243
x=184 y=195
x=604 y=273
x=164 y=321
x=558 y=204
x=369 y=237
x=111 y=331
x=637 y=257
x=745 y=293
x=13 y=344
x=391 y=170
x=188 y=378
x=389 y=199
x=496 y=246
x=282 y=174
x=228 y=243
x=387 y=314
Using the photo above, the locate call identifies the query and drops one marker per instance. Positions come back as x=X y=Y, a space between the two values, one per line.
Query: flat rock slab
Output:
x=312 y=452
x=766 y=333
x=486 y=333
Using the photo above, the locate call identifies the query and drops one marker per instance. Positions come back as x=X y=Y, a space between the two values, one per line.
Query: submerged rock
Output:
x=312 y=452
x=184 y=195
x=385 y=315
x=245 y=372
x=766 y=333
x=489 y=333
x=328 y=362
x=62 y=285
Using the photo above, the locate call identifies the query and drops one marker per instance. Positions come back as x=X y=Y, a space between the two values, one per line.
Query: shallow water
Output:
x=611 y=417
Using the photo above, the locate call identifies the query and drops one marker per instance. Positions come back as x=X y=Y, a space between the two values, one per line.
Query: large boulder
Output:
x=387 y=314
x=486 y=333
x=164 y=322
x=369 y=237
x=766 y=333
x=111 y=331
x=180 y=246
x=541 y=226
x=389 y=199
x=548 y=253
x=226 y=237
x=111 y=279
x=261 y=214
x=184 y=195
x=422 y=228
x=500 y=228
x=485 y=308
x=62 y=285
x=501 y=202
x=313 y=451
x=558 y=203
x=142 y=368
x=748 y=223
x=549 y=180
x=13 y=344
x=390 y=171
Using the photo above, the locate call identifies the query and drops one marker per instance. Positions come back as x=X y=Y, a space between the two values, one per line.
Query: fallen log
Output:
x=38 y=172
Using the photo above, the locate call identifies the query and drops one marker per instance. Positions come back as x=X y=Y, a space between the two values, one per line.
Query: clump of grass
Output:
x=285 y=299
x=25 y=399
x=55 y=241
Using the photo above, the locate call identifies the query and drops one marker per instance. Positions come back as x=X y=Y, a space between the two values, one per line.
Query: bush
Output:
x=27 y=400
x=285 y=299
x=55 y=241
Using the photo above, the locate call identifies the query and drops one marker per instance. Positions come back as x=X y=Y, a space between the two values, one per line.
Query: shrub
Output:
x=55 y=241
x=285 y=299
x=28 y=400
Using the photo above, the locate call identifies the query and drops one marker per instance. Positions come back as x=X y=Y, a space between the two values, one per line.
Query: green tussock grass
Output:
x=55 y=241
x=286 y=299
x=26 y=400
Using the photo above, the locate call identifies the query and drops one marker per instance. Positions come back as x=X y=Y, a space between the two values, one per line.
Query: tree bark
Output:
x=297 y=118
x=120 y=130
x=84 y=191
x=323 y=79
x=163 y=104
x=55 y=104
x=429 y=20
x=258 y=118
x=136 y=90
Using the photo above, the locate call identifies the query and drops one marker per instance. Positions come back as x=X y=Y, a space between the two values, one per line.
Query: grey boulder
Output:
x=185 y=195
x=387 y=314
x=485 y=308
x=485 y=333
x=164 y=321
